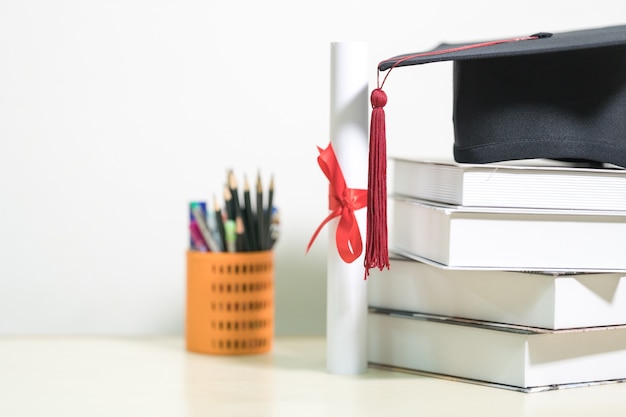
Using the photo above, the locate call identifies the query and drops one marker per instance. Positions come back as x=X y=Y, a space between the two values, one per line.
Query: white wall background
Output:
x=115 y=114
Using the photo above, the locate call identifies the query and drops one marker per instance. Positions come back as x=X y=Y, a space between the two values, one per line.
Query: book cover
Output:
x=507 y=238
x=543 y=300
x=513 y=357
x=524 y=184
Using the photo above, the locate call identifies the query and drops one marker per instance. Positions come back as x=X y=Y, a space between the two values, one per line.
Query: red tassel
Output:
x=376 y=249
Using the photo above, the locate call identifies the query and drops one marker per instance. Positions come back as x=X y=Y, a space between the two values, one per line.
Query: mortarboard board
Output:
x=554 y=96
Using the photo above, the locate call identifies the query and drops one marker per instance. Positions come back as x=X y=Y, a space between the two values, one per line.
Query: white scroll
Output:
x=346 y=312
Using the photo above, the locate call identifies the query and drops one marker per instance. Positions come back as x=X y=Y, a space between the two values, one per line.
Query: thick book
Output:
x=513 y=357
x=507 y=238
x=511 y=184
x=544 y=300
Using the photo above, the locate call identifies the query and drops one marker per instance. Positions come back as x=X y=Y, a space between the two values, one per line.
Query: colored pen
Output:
x=204 y=229
x=196 y=237
x=274 y=227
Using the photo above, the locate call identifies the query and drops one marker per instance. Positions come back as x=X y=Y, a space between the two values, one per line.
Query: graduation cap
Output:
x=553 y=96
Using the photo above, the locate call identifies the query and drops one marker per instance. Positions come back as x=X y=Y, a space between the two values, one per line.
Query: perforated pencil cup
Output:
x=230 y=302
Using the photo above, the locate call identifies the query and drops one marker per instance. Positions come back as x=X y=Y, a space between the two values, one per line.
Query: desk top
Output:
x=156 y=376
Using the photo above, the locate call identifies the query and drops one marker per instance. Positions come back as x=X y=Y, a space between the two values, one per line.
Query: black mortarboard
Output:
x=554 y=96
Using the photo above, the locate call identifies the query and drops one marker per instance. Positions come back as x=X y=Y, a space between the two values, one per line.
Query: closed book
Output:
x=508 y=238
x=544 y=300
x=513 y=357
x=526 y=184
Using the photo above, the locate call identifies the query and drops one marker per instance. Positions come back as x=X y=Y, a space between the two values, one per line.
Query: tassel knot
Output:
x=378 y=98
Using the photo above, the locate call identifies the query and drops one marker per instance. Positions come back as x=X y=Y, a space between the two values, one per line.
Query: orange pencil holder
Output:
x=230 y=302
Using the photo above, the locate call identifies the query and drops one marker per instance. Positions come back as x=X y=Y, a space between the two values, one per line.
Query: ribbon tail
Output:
x=320 y=227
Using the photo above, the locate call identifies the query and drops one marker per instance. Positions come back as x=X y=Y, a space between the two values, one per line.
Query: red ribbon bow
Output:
x=342 y=201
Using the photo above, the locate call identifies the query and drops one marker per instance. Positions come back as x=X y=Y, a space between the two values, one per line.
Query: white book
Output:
x=506 y=238
x=544 y=300
x=511 y=184
x=518 y=358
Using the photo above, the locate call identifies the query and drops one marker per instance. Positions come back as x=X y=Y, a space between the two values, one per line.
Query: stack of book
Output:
x=508 y=275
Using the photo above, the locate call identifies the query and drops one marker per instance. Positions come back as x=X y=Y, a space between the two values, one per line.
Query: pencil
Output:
x=240 y=230
x=228 y=203
x=242 y=239
x=219 y=221
x=249 y=220
x=231 y=235
x=260 y=216
x=234 y=191
x=268 y=215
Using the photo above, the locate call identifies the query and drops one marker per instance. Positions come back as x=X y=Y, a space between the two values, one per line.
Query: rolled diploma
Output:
x=346 y=311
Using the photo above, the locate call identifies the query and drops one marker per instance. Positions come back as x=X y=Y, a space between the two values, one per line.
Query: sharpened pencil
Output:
x=249 y=219
x=228 y=203
x=234 y=191
x=268 y=214
x=219 y=221
x=241 y=243
x=260 y=216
